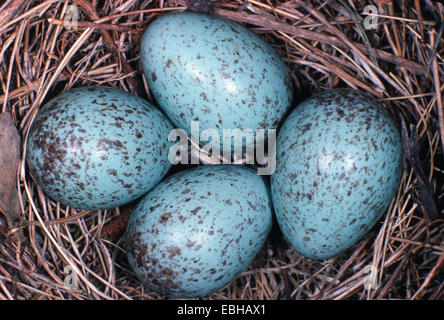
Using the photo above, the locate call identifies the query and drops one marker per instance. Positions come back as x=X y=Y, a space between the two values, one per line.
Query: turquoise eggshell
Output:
x=98 y=147
x=338 y=167
x=198 y=229
x=215 y=71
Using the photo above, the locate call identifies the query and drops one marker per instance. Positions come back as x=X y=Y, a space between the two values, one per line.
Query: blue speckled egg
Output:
x=98 y=147
x=198 y=229
x=208 y=69
x=338 y=167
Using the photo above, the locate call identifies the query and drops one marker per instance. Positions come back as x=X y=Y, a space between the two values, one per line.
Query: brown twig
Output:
x=418 y=294
x=266 y=22
x=92 y=14
x=438 y=94
x=98 y=26
x=41 y=59
x=10 y=8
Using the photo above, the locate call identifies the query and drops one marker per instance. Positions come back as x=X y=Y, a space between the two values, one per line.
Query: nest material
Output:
x=54 y=252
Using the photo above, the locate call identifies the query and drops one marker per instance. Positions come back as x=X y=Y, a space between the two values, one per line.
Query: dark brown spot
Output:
x=173 y=251
x=196 y=210
x=154 y=207
x=251 y=205
x=164 y=217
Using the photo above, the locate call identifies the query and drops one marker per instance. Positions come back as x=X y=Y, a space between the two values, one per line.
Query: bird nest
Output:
x=391 y=49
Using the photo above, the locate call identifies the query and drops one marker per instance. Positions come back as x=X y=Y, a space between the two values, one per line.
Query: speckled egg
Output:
x=98 y=147
x=338 y=167
x=198 y=229
x=208 y=69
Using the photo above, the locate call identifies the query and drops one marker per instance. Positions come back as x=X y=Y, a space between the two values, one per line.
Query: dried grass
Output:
x=323 y=45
